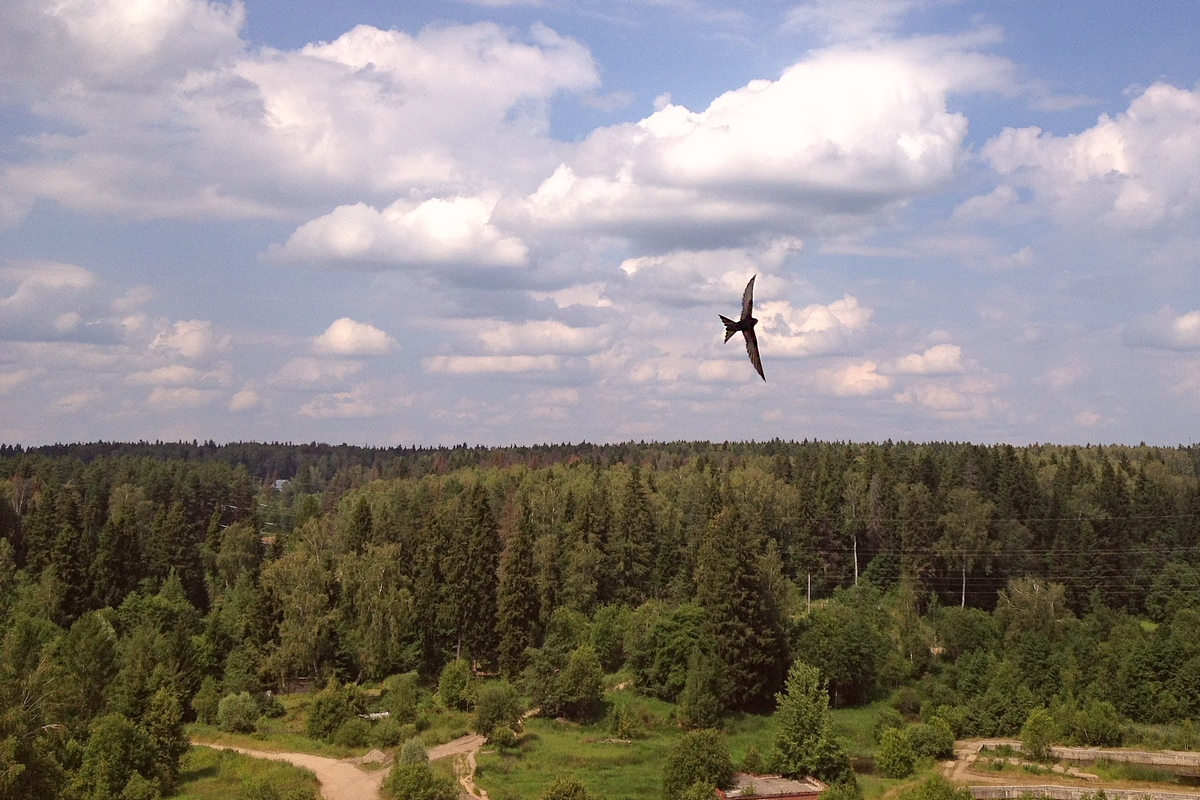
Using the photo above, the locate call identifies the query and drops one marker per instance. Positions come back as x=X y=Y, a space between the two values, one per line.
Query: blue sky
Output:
x=514 y=222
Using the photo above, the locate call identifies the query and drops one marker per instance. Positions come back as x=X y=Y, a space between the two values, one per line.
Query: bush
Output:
x=387 y=732
x=697 y=757
x=934 y=787
x=625 y=723
x=895 y=755
x=412 y=752
x=888 y=719
x=932 y=740
x=498 y=705
x=400 y=696
x=333 y=706
x=237 y=713
x=269 y=706
x=753 y=762
x=418 y=782
x=565 y=788
x=206 y=701
x=454 y=685
x=502 y=737
x=352 y=733
x=1037 y=734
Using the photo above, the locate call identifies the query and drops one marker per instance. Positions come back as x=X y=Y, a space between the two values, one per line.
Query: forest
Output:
x=143 y=585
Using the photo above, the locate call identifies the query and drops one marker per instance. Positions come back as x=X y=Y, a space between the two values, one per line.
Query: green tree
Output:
x=413 y=752
x=499 y=704
x=117 y=750
x=469 y=567
x=454 y=685
x=895 y=755
x=164 y=724
x=206 y=701
x=701 y=702
x=804 y=742
x=697 y=757
x=1038 y=734
x=964 y=537
x=237 y=713
x=517 y=611
x=935 y=787
x=742 y=619
x=581 y=685
x=332 y=707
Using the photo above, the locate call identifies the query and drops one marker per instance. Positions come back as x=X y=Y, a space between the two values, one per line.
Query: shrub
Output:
x=418 y=782
x=454 y=685
x=887 y=719
x=503 y=737
x=498 y=705
x=387 y=732
x=753 y=762
x=895 y=755
x=1037 y=734
x=352 y=733
x=697 y=757
x=932 y=740
x=206 y=701
x=401 y=694
x=412 y=752
x=331 y=708
x=237 y=713
x=565 y=788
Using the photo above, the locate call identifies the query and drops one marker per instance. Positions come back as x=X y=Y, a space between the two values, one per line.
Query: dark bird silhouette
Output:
x=746 y=326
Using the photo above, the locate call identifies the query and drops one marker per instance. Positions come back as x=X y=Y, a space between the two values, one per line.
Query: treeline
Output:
x=977 y=583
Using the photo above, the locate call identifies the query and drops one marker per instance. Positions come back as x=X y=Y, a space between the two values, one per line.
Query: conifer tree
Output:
x=741 y=618
x=516 y=597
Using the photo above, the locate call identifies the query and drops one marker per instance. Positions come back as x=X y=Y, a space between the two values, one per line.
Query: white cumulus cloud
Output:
x=941 y=359
x=345 y=337
x=193 y=339
x=452 y=231
x=1165 y=330
x=813 y=330
x=853 y=380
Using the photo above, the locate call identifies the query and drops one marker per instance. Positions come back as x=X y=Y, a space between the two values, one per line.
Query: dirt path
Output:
x=344 y=779
x=339 y=779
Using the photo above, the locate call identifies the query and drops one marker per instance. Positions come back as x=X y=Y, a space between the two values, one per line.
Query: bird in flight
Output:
x=746 y=326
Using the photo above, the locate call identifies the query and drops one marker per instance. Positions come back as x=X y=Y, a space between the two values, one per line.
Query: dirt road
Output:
x=344 y=779
x=339 y=779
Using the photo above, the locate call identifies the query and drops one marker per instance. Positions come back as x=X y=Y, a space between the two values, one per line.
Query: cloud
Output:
x=174 y=375
x=164 y=398
x=46 y=303
x=475 y=365
x=171 y=114
x=853 y=380
x=244 y=400
x=1139 y=169
x=306 y=373
x=833 y=143
x=361 y=402
x=345 y=337
x=1165 y=330
x=193 y=339
x=438 y=232
x=813 y=330
x=10 y=380
x=942 y=359
x=541 y=337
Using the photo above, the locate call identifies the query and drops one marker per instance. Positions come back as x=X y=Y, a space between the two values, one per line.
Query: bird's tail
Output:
x=730 y=326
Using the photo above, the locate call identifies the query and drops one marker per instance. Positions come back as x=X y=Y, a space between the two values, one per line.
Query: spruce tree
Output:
x=516 y=597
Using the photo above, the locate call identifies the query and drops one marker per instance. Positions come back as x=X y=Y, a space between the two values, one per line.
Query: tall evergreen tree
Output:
x=517 y=610
x=741 y=617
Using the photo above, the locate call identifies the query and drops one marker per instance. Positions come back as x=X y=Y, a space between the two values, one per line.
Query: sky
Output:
x=499 y=222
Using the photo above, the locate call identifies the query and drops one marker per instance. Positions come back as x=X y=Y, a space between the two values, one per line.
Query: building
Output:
x=776 y=787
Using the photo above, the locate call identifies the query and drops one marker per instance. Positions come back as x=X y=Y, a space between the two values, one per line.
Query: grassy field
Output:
x=629 y=770
x=220 y=775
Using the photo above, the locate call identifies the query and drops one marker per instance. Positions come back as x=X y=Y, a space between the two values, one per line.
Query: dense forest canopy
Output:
x=983 y=580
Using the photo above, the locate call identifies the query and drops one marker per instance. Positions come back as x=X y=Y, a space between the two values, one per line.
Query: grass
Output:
x=209 y=774
x=856 y=728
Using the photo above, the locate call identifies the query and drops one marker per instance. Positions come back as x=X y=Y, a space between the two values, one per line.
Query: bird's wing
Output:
x=752 y=351
x=748 y=300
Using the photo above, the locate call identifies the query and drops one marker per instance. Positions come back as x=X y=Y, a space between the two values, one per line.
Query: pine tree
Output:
x=804 y=742
x=516 y=596
x=742 y=619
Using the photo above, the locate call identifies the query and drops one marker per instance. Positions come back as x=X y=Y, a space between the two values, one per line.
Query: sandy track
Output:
x=343 y=779
x=339 y=779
